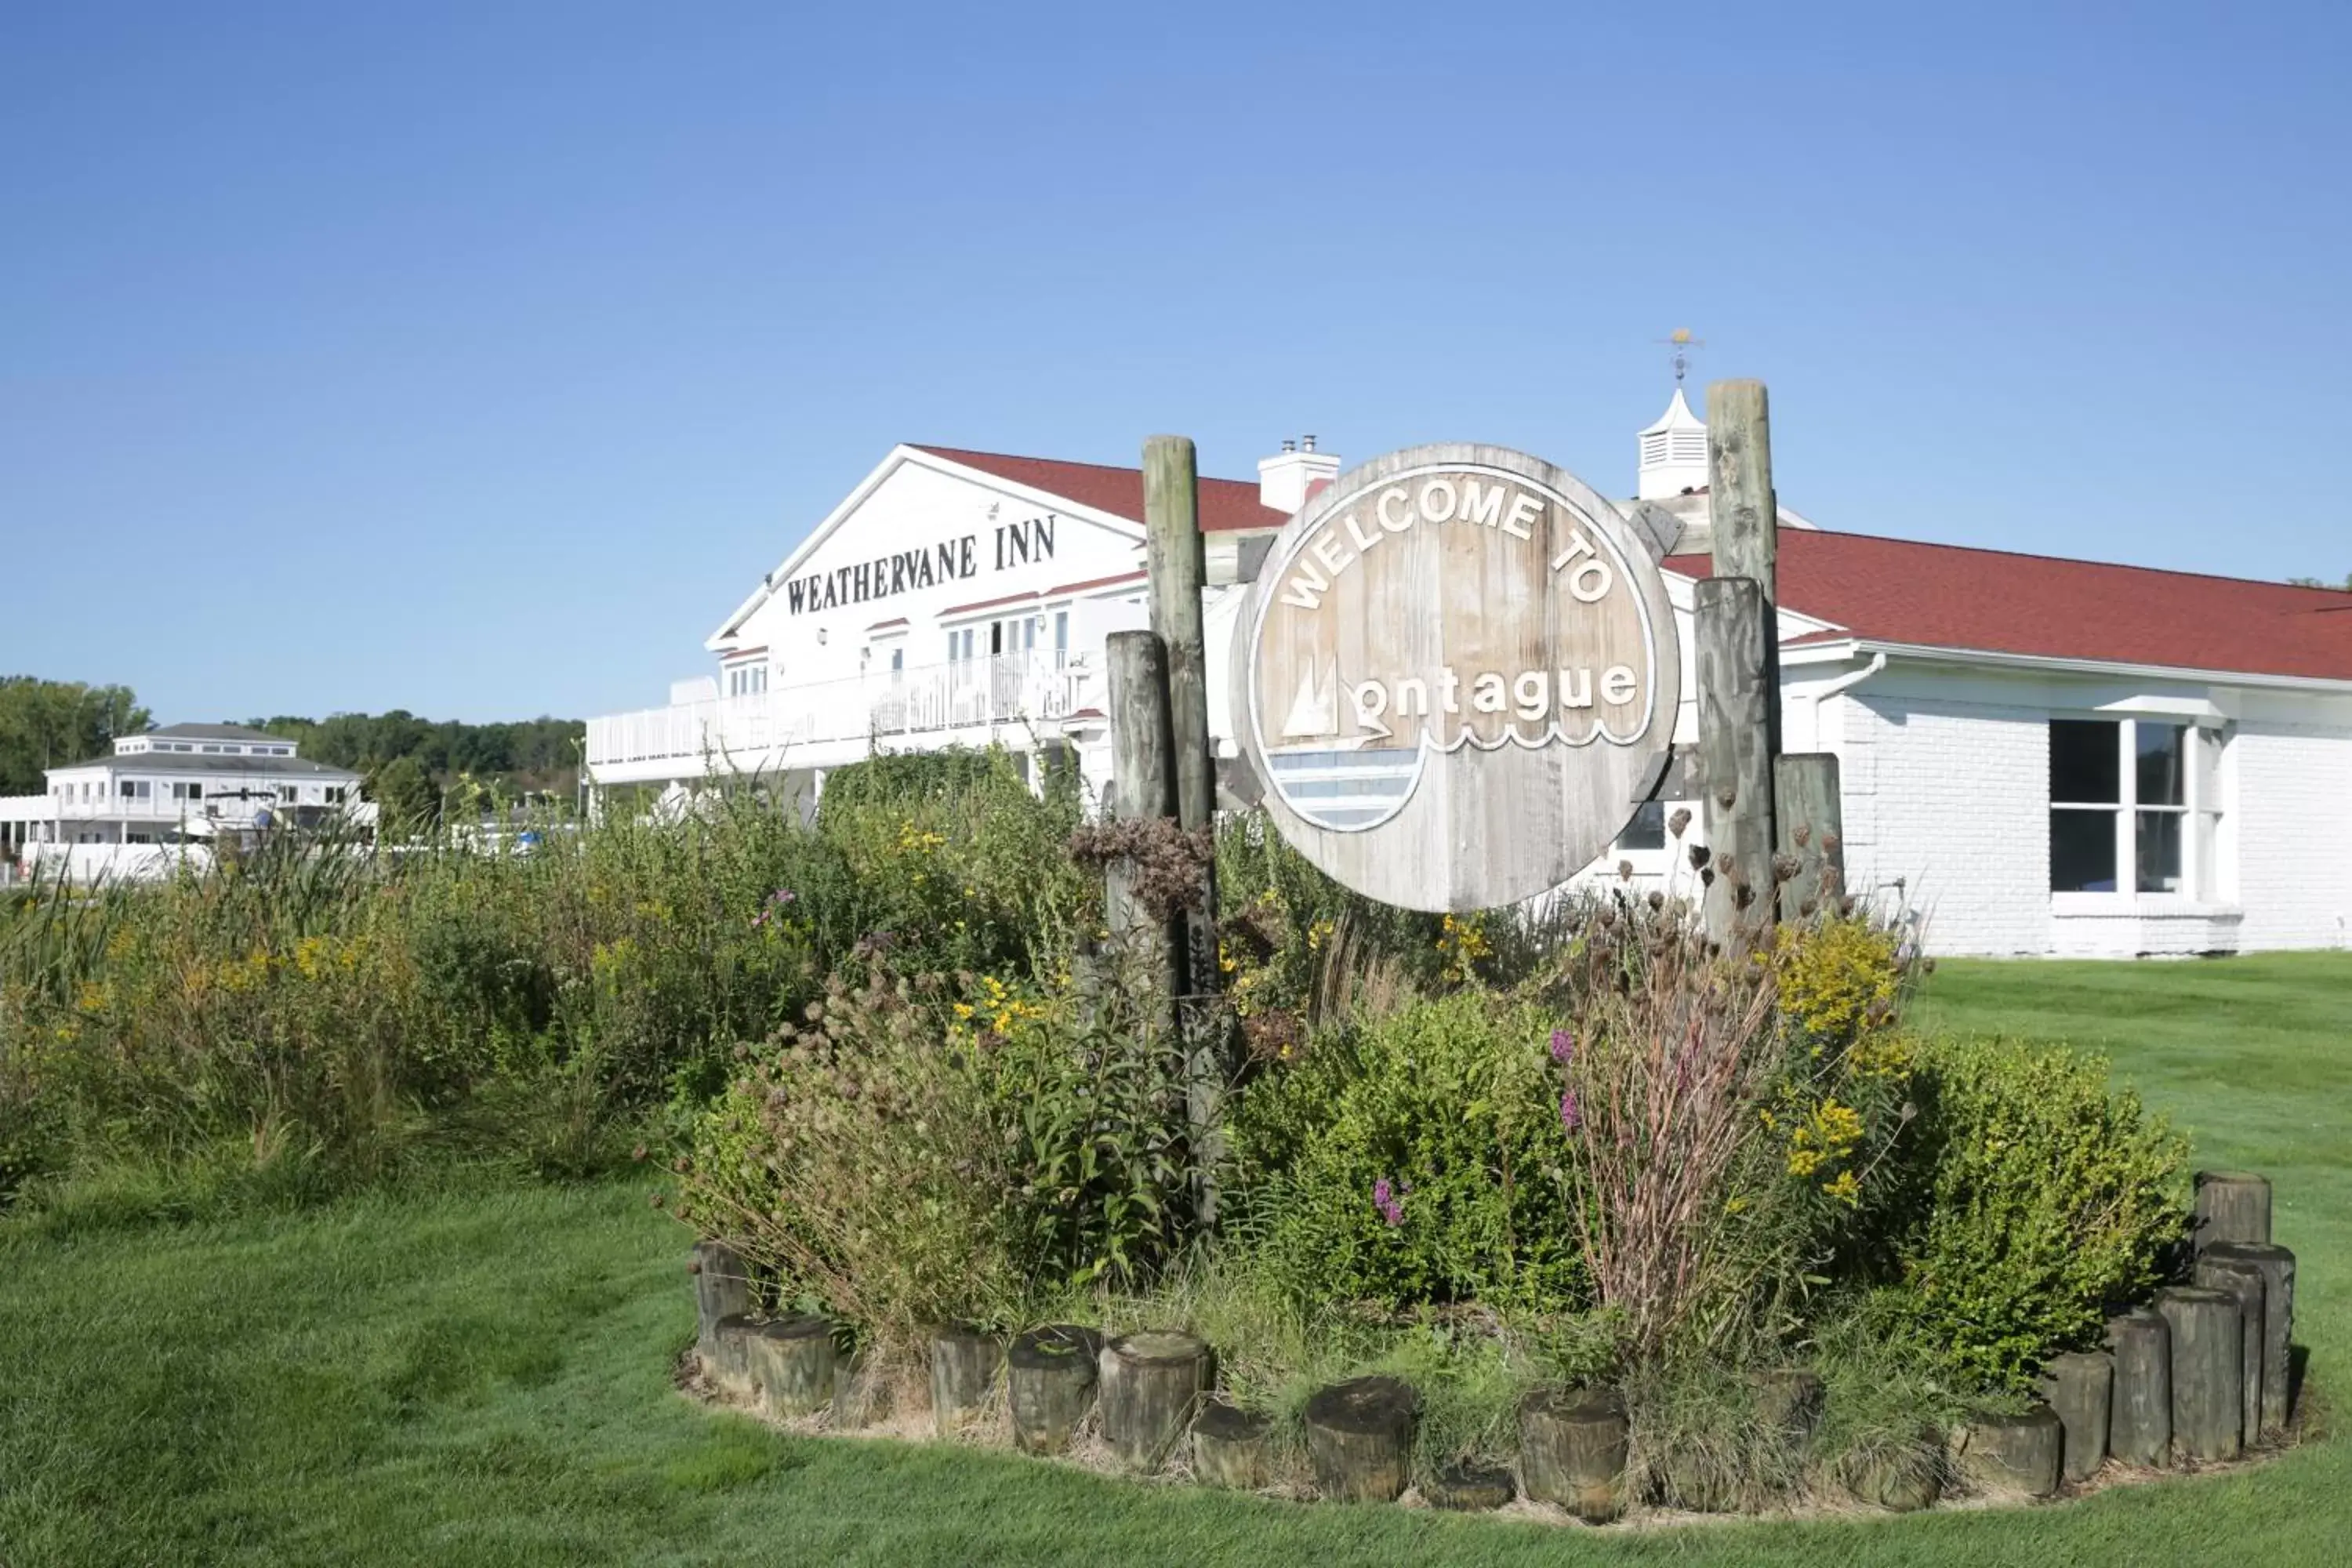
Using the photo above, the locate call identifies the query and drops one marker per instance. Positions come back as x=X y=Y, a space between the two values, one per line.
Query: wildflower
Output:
x=1563 y=1046
x=1845 y=1188
x=1570 y=1115
x=1384 y=1199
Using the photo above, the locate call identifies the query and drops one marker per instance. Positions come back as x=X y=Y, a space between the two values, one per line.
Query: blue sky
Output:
x=476 y=360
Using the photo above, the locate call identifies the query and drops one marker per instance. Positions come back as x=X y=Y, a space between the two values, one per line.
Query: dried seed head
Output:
x=1657 y=900
x=1802 y=835
x=1699 y=854
x=1678 y=821
x=1624 y=870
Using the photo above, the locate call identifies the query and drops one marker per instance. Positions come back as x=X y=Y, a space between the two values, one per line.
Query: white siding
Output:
x=2293 y=835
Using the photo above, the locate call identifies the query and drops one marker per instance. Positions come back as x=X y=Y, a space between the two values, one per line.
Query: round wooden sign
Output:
x=1458 y=672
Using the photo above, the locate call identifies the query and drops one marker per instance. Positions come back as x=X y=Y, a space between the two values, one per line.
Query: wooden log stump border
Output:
x=1232 y=1448
x=790 y=1362
x=1467 y=1487
x=964 y=1364
x=1050 y=1375
x=1360 y=1437
x=2207 y=1372
x=2140 y=1424
x=2080 y=1386
x=2277 y=1266
x=2013 y=1455
x=1150 y=1387
x=2231 y=1205
x=1572 y=1450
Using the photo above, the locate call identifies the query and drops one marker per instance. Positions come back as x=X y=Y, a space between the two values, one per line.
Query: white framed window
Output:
x=334 y=794
x=132 y=789
x=746 y=680
x=2135 y=808
x=187 y=792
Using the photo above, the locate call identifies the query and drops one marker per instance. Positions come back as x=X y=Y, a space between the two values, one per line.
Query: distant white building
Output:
x=2039 y=755
x=183 y=783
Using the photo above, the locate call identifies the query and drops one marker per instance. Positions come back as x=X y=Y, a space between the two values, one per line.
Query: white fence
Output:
x=1007 y=689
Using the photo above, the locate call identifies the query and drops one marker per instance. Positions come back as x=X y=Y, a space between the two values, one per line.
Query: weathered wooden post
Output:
x=964 y=1364
x=1150 y=1386
x=2231 y=1205
x=2017 y=1456
x=1740 y=629
x=792 y=1364
x=1359 y=1437
x=1230 y=1446
x=2241 y=1279
x=2277 y=1266
x=1572 y=1450
x=1050 y=1375
x=722 y=1288
x=2208 y=1372
x=1736 y=764
x=2139 y=1423
x=1808 y=820
x=2080 y=1386
x=1175 y=555
x=1143 y=788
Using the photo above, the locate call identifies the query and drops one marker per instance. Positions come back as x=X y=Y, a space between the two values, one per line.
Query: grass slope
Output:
x=484 y=1377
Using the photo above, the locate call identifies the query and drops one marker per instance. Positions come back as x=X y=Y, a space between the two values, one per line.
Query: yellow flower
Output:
x=1845 y=1188
x=1804 y=1162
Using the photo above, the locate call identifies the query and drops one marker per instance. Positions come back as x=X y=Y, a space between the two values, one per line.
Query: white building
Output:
x=180 y=784
x=2039 y=755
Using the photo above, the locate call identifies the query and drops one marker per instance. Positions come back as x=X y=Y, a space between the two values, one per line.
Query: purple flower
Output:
x=1571 y=1117
x=782 y=896
x=1384 y=1199
x=1563 y=1046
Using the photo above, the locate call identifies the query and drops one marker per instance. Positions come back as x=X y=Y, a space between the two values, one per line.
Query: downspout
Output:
x=1844 y=683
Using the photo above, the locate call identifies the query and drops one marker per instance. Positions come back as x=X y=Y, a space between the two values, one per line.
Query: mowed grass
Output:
x=484 y=1377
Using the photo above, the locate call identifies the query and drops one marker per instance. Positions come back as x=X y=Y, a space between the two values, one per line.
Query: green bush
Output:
x=1414 y=1158
x=2033 y=1200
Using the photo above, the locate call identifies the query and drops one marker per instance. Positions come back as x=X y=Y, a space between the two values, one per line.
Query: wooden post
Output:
x=2013 y=1455
x=2139 y=1425
x=792 y=1365
x=2080 y=1386
x=1466 y=1486
x=722 y=1288
x=2277 y=1266
x=2208 y=1369
x=1735 y=699
x=1176 y=557
x=2242 y=1279
x=1049 y=1381
x=1572 y=1449
x=1899 y=1477
x=1150 y=1385
x=2231 y=1205
x=1142 y=787
x=1809 y=819
x=964 y=1362
x=1360 y=1435
x=1229 y=1446
x=1744 y=515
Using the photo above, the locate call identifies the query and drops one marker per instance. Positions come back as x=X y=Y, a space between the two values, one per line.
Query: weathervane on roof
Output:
x=1682 y=343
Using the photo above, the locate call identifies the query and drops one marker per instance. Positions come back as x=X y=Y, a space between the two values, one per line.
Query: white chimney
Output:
x=1284 y=480
x=1674 y=454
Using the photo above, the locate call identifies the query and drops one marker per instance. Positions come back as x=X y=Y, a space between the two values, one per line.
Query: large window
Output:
x=2135 y=806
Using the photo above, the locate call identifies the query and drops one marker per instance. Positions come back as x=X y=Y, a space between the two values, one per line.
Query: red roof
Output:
x=1225 y=504
x=1945 y=595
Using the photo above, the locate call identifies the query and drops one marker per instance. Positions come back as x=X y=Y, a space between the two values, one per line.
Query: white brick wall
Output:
x=2293 y=831
x=1953 y=799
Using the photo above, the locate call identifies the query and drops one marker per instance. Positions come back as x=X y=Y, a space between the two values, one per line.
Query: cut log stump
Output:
x=862 y=1392
x=2277 y=1266
x=1788 y=1400
x=728 y=1364
x=2231 y=1205
x=2139 y=1422
x=1899 y=1477
x=722 y=1288
x=1049 y=1379
x=2080 y=1386
x=1702 y=1479
x=2243 y=1279
x=1231 y=1446
x=1359 y=1438
x=1572 y=1444
x=791 y=1365
x=964 y=1364
x=1465 y=1487
x=1151 y=1384
x=2207 y=1372
x=2013 y=1455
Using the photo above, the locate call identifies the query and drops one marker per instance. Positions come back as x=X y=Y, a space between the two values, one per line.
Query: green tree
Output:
x=50 y=723
x=2344 y=586
x=406 y=799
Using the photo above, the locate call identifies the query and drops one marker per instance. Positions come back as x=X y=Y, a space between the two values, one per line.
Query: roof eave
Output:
x=1930 y=652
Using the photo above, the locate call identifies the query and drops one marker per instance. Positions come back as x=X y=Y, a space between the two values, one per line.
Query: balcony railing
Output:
x=1006 y=688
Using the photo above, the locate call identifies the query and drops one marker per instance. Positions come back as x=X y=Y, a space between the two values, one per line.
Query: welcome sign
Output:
x=1459 y=671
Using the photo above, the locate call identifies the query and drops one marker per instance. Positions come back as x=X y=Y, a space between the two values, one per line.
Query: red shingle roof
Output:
x=1225 y=504
x=1944 y=595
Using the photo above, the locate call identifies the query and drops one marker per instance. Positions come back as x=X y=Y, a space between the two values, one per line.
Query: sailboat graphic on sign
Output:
x=1313 y=713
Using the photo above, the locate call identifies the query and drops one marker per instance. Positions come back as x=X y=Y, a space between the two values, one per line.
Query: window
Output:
x=1061 y=637
x=133 y=789
x=1648 y=828
x=747 y=680
x=2135 y=806
x=334 y=794
x=187 y=792
x=289 y=794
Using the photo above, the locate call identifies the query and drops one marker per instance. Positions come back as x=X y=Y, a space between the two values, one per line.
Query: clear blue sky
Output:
x=477 y=358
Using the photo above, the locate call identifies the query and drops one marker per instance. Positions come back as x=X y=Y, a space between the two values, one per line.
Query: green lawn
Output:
x=486 y=1378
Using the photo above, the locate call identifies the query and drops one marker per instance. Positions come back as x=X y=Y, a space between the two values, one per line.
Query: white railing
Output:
x=1007 y=689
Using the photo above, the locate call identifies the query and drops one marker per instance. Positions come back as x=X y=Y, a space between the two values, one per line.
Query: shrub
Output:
x=2035 y=1198
x=1414 y=1158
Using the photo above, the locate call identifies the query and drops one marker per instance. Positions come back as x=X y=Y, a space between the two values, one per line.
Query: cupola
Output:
x=1286 y=479
x=1674 y=454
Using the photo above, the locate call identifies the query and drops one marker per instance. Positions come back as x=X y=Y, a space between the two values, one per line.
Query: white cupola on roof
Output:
x=1284 y=480
x=1674 y=454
